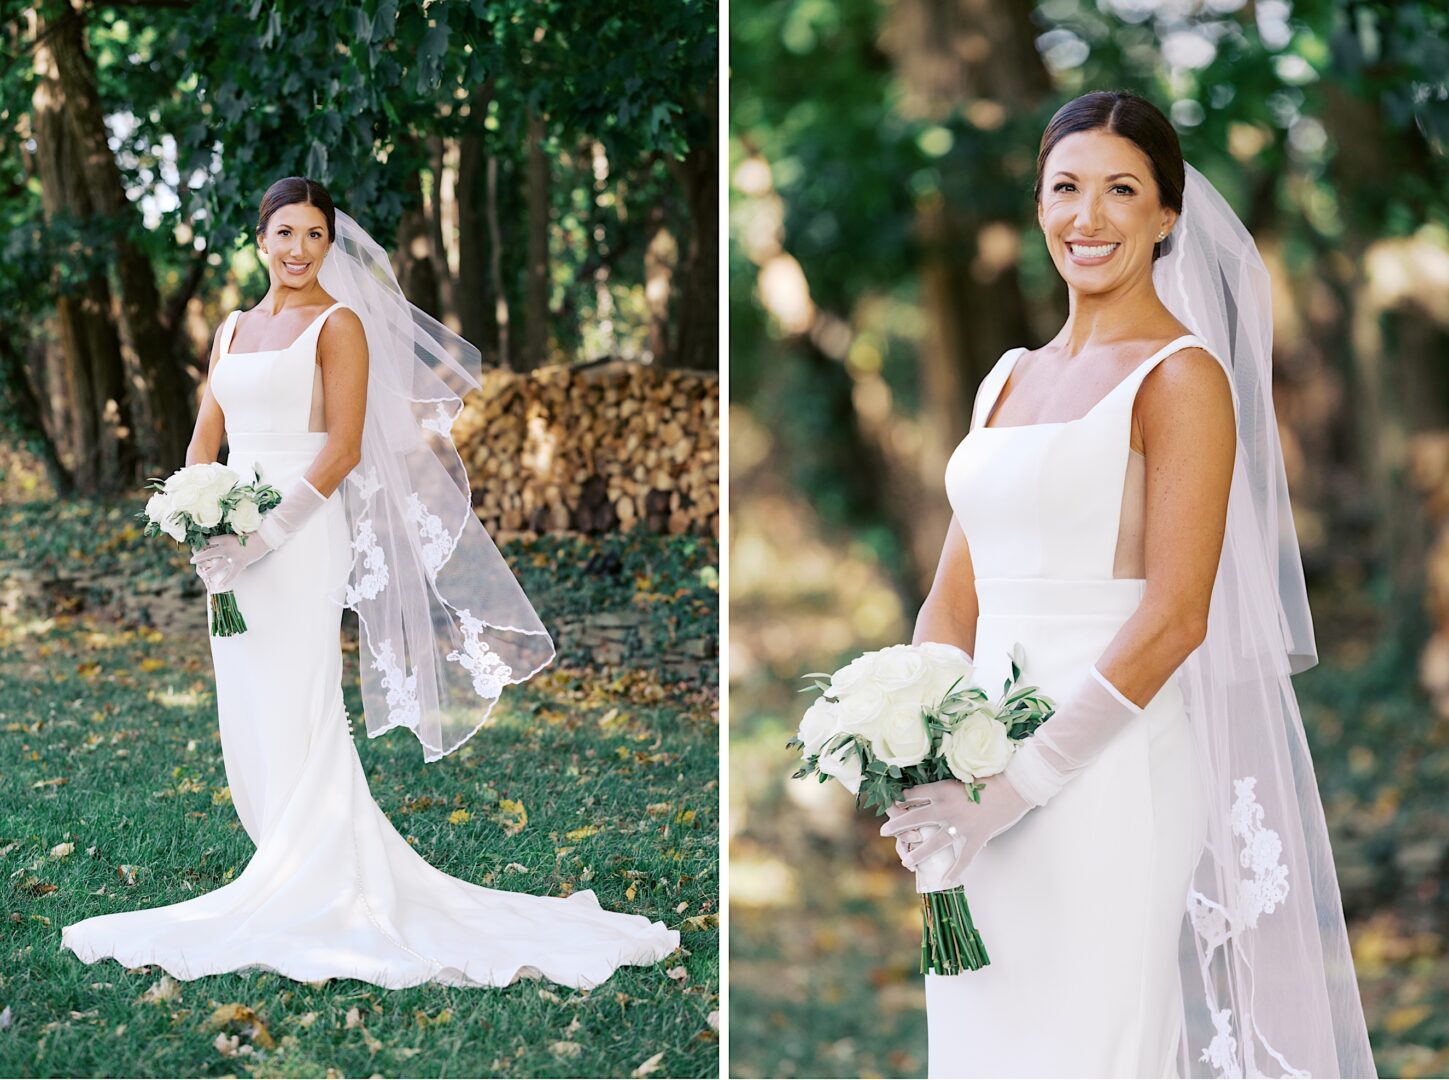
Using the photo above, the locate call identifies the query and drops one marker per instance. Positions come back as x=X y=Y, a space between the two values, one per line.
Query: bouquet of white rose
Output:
x=201 y=501
x=906 y=715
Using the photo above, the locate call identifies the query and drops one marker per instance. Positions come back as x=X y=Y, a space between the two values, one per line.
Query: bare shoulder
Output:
x=1190 y=380
x=342 y=333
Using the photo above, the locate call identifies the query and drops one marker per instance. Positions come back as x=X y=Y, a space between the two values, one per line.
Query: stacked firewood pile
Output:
x=614 y=447
x=1430 y=468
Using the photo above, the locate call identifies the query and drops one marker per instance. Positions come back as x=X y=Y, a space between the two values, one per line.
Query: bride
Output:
x=341 y=394
x=1151 y=872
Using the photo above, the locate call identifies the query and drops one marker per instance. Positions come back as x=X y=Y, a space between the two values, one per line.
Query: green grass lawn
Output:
x=113 y=797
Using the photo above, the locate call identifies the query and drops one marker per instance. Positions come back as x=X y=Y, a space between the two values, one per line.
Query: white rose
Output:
x=244 y=517
x=820 y=722
x=206 y=512
x=860 y=710
x=160 y=510
x=158 y=507
x=859 y=671
x=220 y=479
x=185 y=486
x=940 y=651
x=949 y=667
x=902 y=737
x=979 y=746
x=900 y=669
x=843 y=763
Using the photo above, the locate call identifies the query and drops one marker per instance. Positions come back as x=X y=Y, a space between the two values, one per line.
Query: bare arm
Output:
x=342 y=352
x=210 y=425
x=1186 y=411
x=948 y=614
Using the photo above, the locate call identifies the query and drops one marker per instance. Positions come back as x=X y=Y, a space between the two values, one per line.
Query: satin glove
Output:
x=1091 y=716
x=961 y=823
x=224 y=557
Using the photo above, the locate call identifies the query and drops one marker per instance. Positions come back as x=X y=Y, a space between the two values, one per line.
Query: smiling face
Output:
x=1100 y=210
x=294 y=244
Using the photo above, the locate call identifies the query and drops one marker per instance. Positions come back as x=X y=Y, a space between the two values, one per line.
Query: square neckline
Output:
x=1020 y=349
x=227 y=350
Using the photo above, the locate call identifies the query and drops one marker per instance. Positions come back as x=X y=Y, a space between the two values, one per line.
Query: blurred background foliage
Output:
x=884 y=253
x=546 y=175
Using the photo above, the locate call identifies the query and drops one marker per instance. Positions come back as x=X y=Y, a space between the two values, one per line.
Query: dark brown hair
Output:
x=291 y=190
x=1122 y=113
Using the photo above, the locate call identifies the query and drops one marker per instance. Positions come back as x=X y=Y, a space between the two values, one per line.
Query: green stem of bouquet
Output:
x=950 y=943
x=226 y=618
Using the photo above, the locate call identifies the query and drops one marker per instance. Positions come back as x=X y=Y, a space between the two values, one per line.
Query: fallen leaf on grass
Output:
x=163 y=989
x=679 y=973
x=583 y=833
x=512 y=816
x=648 y=1065
x=38 y=888
x=60 y=851
x=713 y=1020
x=630 y=892
x=127 y=874
x=564 y=1048
x=700 y=922
x=252 y=1026
x=230 y=1045
x=354 y=1020
x=516 y=868
x=423 y=1019
x=6 y=1019
x=459 y=817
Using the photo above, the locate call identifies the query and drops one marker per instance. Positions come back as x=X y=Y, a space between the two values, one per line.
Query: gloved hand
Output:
x=960 y=823
x=1086 y=721
x=224 y=557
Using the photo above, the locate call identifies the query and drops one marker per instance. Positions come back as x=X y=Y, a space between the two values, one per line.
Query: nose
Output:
x=1087 y=215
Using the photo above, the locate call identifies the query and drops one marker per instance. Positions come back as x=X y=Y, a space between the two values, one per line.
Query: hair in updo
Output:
x=291 y=190
x=1122 y=113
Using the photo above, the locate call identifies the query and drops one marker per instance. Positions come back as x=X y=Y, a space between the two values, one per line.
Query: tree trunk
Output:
x=90 y=350
x=698 y=177
x=438 y=216
x=413 y=259
x=660 y=255
x=168 y=400
x=30 y=423
x=477 y=300
x=535 y=312
x=495 y=263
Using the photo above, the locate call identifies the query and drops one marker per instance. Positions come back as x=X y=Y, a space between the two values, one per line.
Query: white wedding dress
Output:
x=1083 y=903
x=333 y=890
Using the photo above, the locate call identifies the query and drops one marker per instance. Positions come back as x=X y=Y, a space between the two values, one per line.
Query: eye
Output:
x=1059 y=186
x=1125 y=188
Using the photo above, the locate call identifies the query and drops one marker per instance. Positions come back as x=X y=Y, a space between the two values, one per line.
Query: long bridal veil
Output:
x=1268 y=979
x=444 y=624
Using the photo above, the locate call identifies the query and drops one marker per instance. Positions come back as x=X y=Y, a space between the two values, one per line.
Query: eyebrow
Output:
x=1114 y=176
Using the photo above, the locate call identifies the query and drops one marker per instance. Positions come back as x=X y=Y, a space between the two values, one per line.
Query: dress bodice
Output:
x=271 y=390
x=1052 y=500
